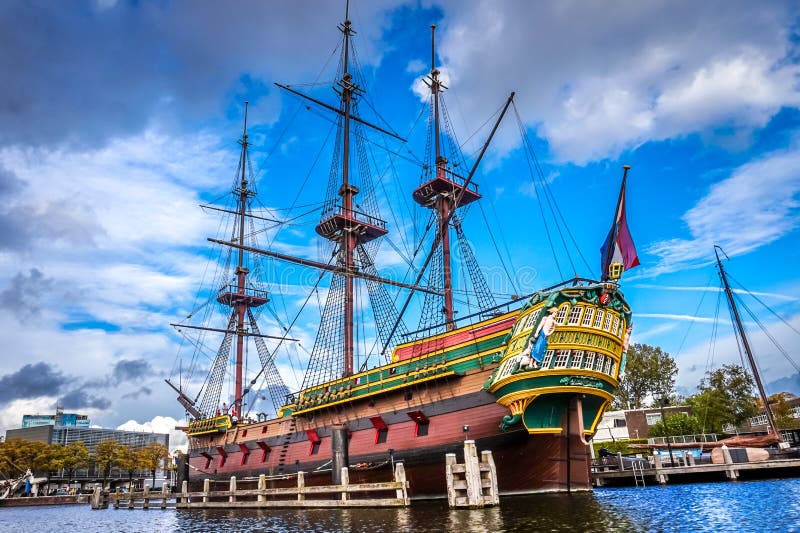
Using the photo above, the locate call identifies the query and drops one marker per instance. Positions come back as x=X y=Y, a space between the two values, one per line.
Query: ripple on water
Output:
x=757 y=506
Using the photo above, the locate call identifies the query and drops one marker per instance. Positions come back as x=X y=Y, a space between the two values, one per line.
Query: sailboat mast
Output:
x=740 y=328
x=241 y=275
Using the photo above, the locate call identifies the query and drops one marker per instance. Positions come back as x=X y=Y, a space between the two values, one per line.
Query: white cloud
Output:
x=755 y=206
x=161 y=424
x=597 y=79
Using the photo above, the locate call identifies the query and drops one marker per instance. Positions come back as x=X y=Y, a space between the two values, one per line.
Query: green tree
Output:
x=725 y=397
x=649 y=373
x=782 y=411
x=151 y=458
x=676 y=424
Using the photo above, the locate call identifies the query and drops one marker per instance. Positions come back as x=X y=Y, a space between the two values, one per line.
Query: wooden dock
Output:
x=343 y=495
x=626 y=471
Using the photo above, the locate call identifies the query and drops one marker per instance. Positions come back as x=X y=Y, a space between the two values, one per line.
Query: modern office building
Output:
x=65 y=435
x=60 y=418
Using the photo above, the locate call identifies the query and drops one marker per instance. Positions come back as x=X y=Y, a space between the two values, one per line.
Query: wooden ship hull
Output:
x=467 y=383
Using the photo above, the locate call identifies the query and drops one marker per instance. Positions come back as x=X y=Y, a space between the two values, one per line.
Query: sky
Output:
x=118 y=118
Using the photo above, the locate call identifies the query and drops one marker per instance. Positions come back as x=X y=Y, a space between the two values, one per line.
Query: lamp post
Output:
x=662 y=403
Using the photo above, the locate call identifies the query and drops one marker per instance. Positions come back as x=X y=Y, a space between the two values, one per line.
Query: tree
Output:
x=106 y=457
x=128 y=461
x=75 y=457
x=151 y=457
x=782 y=411
x=650 y=372
x=676 y=424
x=725 y=397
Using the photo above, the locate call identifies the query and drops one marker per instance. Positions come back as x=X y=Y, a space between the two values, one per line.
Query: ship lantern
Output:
x=615 y=270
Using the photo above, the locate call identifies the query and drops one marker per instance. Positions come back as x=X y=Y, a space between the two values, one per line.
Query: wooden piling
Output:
x=301 y=485
x=262 y=485
x=345 y=477
x=473 y=484
x=146 y=502
x=449 y=463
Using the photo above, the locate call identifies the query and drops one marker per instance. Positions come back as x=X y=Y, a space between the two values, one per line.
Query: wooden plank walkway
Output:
x=343 y=495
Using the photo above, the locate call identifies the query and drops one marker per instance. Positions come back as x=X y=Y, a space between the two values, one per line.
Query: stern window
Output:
x=588 y=316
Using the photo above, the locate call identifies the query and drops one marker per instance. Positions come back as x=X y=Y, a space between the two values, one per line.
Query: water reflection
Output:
x=724 y=506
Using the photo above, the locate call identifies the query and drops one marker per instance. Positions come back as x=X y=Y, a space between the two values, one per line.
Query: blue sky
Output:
x=121 y=117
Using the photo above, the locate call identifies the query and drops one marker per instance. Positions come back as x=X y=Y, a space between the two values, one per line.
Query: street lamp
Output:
x=665 y=401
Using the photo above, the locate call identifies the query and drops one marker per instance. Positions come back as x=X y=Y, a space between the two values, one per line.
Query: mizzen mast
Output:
x=441 y=192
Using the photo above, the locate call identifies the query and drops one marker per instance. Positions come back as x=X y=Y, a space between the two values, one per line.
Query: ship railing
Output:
x=358 y=216
x=248 y=291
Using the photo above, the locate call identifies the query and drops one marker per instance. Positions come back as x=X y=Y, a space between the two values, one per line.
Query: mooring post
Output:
x=449 y=462
x=345 y=477
x=488 y=459
x=660 y=476
x=185 y=493
x=400 y=477
x=262 y=486
x=232 y=489
x=339 y=452
x=473 y=474
x=731 y=472
x=206 y=489
x=146 y=501
x=164 y=495
x=301 y=485
x=97 y=498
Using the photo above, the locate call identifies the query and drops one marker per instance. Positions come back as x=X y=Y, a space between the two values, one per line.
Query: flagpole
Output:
x=614 y=225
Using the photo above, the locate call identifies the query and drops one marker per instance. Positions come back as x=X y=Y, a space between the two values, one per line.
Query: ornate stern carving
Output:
x=517 y=408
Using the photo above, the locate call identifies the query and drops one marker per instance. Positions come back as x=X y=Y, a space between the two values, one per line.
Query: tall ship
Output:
x=528 y=378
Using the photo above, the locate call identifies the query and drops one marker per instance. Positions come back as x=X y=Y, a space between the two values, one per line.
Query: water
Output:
x=756 y=506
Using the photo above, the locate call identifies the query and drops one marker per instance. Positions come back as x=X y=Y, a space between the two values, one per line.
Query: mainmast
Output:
x=346 y=227
x=441 y=192
x=740 y=329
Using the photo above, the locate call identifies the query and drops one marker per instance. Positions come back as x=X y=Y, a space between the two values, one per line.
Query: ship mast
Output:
x=441 y=193
x=241 y=275
x=346 y=227
x=740 y=329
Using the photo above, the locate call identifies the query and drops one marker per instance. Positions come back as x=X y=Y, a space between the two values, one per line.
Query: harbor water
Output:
x=756 y=506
